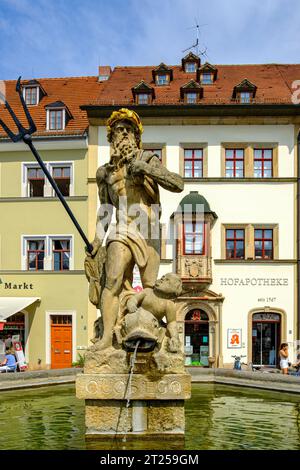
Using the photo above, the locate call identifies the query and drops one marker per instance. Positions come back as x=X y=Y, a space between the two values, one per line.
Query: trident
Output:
x=25 y=135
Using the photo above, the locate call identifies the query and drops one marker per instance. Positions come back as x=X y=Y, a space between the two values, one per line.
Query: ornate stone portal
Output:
x=134 y=380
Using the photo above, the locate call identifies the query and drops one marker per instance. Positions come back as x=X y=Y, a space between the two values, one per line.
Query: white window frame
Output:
x=191 y=93
x=48 y=259
x=187 y=65
x=52 y=165
x=249 y=96
x=209 y=80
x=142 y=94
x=24 y=240
x=25 y=186
x=48 y=314
x=50 y=239
x=158 y=78
x=48 y=190
x=37 y=94
x=63 y=119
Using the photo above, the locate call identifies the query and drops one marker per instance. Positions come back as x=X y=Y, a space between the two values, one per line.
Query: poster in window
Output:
x=234 y=338
x=137 y=282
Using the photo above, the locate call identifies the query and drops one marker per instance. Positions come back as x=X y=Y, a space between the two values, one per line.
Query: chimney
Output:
x=104 y=72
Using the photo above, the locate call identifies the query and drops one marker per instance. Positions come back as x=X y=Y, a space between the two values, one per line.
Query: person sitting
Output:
x=9 y=364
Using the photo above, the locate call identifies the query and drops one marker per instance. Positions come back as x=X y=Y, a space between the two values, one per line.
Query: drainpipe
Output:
x=298 y=236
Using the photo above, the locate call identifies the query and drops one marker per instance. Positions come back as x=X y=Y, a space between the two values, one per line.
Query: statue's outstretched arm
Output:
x=165 y=178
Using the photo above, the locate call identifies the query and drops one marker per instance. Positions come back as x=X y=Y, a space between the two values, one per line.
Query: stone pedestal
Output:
x=156 y=404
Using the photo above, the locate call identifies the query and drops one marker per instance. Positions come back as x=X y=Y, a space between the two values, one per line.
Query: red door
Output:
x=61 y=341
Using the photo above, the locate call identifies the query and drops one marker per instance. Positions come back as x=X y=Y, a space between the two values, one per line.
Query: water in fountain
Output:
x=128 y=389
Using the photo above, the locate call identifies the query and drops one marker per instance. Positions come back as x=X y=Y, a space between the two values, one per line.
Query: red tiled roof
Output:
x=72 y=91
x=273 y=82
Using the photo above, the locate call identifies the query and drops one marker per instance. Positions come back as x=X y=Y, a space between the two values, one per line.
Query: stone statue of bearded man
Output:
x=129 y=183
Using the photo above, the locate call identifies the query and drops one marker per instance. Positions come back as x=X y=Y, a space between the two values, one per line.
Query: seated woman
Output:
x=9 y=364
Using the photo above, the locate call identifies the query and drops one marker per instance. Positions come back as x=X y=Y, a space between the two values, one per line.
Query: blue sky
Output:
x=48 y=38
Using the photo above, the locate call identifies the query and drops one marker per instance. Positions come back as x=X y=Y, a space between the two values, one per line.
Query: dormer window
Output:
x=162 y=75
x=207 y=74
x=206 y=78
x=244 y=92
x=191 y=92
x=190 y=63
x=162 y=80
x=190 y=67
x=31 y=95
x=33 y=92
x=191 y=97
x=245 y=97
x=143 y=93
x=143 y=98
x=58 y=116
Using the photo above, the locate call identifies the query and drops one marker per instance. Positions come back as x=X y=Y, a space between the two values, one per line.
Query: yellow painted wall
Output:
x=11 y=169
x=58 y=292
x=38 y=217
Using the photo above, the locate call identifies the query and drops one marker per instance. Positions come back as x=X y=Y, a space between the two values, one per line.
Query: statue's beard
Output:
x=123 y=151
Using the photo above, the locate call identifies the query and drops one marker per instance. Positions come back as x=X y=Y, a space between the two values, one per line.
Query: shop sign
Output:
x=137 y=283
x=234 y=338
x=266 y=316
x=254 y=281
x=14 y=286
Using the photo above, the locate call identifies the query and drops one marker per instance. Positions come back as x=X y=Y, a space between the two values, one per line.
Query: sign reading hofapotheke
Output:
x=254 y=281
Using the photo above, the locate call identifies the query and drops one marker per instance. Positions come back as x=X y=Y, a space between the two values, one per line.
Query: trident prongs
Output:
x=22 y=130
x=25 y=135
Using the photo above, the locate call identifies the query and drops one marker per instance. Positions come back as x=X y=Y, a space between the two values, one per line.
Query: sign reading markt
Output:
x=14 y=286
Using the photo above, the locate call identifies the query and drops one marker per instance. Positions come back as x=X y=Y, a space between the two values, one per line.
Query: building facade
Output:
x=231 y=132
x=43 y=289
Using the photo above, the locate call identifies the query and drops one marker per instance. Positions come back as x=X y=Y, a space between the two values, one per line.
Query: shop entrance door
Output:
x=265 y=339
x=61 y=341
x=196 y=338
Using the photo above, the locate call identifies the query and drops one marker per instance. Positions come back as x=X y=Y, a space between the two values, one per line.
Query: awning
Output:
x=11 y=305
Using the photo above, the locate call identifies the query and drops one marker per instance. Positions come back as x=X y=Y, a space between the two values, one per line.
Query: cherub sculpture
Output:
x=160 y=302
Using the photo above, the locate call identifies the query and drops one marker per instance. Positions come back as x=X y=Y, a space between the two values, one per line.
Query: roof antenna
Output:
x=196 y=45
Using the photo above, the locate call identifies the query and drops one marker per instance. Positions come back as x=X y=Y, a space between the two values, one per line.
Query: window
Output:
x=245 y=97
x=235 y=244
x=193 y=163
x=190 y=67
x=56 y=119
x=162 y=79
x=61 y=255
x=35 y=255
x=263 y=242
x=206 y=78
x=31 y=95
x=62 y=177
x=193 y=237
x=191 y=98
x=35 y=182
x=263 y=163
x=142 y=98
x=234 y=163
x=61 y=319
